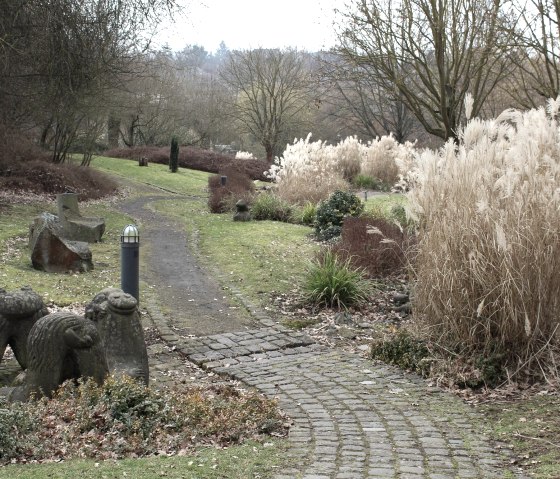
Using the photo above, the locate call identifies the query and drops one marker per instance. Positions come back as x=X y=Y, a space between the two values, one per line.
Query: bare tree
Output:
x=173 y=96
x=63 y=58
x=430 y=53
x=536 y=53
x=359 y=101
x=271 y=92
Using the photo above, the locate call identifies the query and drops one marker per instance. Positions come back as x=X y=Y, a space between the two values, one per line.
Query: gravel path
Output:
x=199 y=305
x=352 y=418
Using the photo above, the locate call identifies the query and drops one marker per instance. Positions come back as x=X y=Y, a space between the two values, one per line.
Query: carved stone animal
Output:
x=61 y=346
x=116 y=316
x=19 y=311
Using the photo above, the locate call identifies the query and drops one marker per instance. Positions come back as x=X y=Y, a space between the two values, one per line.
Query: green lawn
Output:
x=62 y=289
x=185 y=182
x=250 y=460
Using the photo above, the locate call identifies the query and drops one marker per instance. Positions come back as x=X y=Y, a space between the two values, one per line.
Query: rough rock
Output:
x=51 y=252
x=242 y=213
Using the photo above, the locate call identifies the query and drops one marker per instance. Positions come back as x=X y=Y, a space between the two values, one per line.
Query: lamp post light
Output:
x=223 y=180
x=130 y=261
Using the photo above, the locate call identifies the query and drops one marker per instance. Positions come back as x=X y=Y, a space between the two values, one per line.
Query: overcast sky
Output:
x=247 y=24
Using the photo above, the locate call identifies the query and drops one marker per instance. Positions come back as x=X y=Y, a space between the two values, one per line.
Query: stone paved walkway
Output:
x=352 y=418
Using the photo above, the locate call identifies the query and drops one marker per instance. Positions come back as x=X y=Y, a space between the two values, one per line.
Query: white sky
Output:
x=248 y=24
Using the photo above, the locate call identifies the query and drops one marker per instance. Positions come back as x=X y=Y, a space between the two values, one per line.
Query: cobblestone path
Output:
x=352 y=418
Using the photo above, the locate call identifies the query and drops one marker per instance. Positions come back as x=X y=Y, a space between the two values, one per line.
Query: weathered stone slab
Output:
x=76 y=227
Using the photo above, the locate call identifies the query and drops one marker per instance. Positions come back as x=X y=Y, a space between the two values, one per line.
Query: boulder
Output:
x=51 y=252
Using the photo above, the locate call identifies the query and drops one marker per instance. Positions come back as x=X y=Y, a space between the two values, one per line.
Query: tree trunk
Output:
x=113 y=130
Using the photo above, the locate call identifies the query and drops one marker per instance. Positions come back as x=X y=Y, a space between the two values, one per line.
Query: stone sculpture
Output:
x=19 y=311
x=51 y=252
x=116 y=316
x=75 y=226
x=242 y=211
x=61 y=346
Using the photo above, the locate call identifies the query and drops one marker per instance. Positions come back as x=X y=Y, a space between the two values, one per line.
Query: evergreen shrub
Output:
x=174 y=155
x=331 y=213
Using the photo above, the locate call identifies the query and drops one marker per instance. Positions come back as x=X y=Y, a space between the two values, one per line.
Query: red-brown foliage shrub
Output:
x=381 y=251
x=238 y=187
x=25 y=167
x=195 y=159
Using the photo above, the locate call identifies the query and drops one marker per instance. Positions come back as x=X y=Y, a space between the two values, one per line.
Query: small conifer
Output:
x=174 y=155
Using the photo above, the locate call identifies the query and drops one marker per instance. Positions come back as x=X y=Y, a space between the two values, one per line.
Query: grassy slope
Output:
x=62 y=289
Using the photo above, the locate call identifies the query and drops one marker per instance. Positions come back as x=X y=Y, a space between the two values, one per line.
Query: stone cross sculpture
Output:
x=53 y=348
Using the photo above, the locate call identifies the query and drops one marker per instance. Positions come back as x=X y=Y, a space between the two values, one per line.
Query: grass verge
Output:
x=237 y=462
x=531 y=428
x=259 y=257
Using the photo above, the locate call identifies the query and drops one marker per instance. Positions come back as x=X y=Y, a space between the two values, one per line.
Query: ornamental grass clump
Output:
x=269 y=206
x=333 y=282
x=488 y=258
x=380 y=159
x=306 y=172
x=312 y=171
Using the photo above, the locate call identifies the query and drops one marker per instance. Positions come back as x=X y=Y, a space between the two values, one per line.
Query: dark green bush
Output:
x=334 y=283
x=331 y=213
x=174 y=155
x=268 y=206
x=403 y=350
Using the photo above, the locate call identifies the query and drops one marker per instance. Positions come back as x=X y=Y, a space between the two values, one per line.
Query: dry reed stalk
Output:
x=488 y=261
